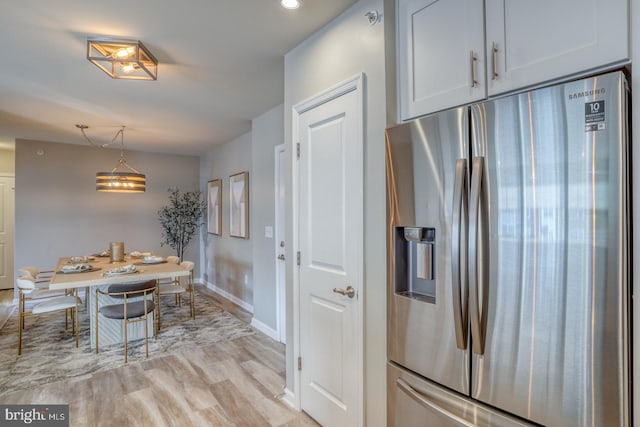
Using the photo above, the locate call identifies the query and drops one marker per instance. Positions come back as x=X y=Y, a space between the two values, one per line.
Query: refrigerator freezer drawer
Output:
x=414 y=401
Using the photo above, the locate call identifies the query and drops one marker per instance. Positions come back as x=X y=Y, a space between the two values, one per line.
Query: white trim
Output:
x=234 y=299
x=289 y=398
x=281 y=294
x=354 y=83
x=330 y=94
x=295 y=247
x=265 y=329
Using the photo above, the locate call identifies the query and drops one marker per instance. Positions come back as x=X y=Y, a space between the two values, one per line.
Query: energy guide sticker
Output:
x=594 y=117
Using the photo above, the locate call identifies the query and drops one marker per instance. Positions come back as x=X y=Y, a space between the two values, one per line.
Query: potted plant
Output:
x=181 y=219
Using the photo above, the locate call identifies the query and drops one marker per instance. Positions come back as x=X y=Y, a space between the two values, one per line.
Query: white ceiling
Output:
x=221 y=64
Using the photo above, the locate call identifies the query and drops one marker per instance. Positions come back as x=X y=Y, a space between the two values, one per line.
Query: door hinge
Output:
x=299 y=363
x=298 y=258
x=298 y=150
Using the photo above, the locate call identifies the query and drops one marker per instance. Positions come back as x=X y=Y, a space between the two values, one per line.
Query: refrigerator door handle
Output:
x=416 y=396
x=474 y=274
x=458 y=215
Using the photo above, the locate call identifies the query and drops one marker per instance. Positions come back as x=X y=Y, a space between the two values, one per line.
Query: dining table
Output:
x=103 y=273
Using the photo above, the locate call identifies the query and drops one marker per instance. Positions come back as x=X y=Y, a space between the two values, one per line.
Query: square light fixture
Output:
x=122 y=59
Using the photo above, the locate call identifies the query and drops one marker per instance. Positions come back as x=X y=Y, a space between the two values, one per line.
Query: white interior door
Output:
x=331 y=253
x=280 y=203
x=6 y=231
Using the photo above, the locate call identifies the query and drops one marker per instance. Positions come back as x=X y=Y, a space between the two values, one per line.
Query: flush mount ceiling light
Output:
x=123 y=178
x=122 y=59
x=290 y=4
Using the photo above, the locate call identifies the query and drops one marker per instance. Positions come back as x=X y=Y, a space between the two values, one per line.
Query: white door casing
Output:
x=280 y=216
x=6 y=230
x=328 y=211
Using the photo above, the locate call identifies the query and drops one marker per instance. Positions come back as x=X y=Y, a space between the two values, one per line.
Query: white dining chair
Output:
x=188 y=265
x=50 y=302
x=176 y=288
x=41 y=278
x=40 y=291
x=171 y=259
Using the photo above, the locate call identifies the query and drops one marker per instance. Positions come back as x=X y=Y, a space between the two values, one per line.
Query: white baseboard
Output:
x=289 y=398
x=268 y=331
x=237 y=301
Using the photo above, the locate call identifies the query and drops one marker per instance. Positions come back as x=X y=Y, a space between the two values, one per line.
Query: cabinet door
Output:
x=441 y=54
x=548 y=39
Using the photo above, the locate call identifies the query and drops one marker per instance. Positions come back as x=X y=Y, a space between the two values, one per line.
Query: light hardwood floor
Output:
x=231 y=383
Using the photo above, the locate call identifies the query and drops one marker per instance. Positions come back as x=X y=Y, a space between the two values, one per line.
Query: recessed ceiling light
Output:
x=290 y=4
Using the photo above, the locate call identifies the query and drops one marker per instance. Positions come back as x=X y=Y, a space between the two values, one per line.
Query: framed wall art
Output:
x=239 y=205
x=214 y=207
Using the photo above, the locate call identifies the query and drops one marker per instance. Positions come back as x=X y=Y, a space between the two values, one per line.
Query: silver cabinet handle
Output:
x=350 y=292
x=474 y=262
x=494 y=61
x=474 y=60
x=281 y=257
x=458 y=214
x=417 y=396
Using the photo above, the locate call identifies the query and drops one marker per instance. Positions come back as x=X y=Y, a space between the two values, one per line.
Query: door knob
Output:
x=281 y=257
x=350 y=292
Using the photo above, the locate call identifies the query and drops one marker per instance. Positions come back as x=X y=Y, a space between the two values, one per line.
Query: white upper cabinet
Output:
x=542 y=40
x=444 y=59
x=441 y=54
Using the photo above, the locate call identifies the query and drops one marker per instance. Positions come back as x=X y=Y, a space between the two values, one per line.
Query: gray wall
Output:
x=227 y=260
x=267 y=132
x=59 y=212
x=345 y=47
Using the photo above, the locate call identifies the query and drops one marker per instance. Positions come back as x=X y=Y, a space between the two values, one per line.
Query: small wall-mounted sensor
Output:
x=40 y=152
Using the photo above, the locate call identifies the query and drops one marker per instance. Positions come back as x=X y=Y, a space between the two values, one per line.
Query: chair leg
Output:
x=155 y=325
x=159 y=313
x=75 y=325
x=146 y=330
x=21 y=305
x=97 y=314
x=20 y=326
x=192 y=301
x=126 y=350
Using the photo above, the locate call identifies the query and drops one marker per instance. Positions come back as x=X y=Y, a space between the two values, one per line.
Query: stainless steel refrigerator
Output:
x=508 y=253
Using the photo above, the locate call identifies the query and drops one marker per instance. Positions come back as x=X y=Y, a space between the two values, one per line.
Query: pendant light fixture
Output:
x=123 y=178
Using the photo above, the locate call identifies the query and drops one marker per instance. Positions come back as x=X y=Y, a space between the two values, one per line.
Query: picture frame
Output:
x=214 y=207
x=239 y=205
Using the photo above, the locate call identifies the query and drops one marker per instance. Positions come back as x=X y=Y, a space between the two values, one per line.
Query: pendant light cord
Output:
x=93 y=144
x=122 y=161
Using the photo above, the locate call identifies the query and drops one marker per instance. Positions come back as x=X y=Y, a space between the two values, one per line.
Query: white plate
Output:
x=153 y=261
x=119 y=272
x=80 y=259
x=84 y=270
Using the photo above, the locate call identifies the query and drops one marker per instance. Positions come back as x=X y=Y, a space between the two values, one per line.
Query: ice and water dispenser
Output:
x=414 y=263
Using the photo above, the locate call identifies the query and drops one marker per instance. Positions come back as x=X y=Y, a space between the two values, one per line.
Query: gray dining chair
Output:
x=135 y=307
